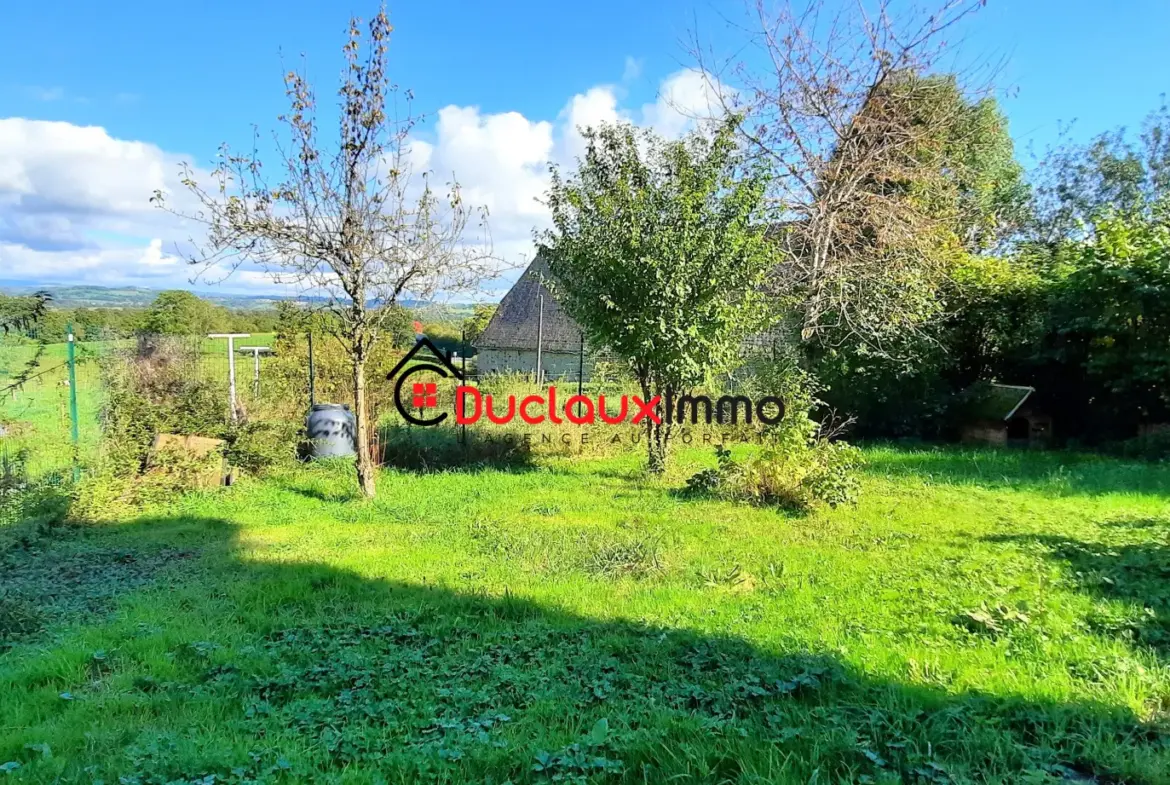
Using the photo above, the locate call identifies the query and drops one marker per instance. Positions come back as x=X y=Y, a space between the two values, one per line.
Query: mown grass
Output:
x=979 y=617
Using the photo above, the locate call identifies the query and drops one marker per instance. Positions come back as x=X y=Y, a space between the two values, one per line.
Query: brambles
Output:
x=798 y=465
x=798 y=477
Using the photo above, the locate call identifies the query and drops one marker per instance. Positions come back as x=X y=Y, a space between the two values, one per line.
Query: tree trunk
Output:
x=655 y=447
x=657 y=437
x=361 y=415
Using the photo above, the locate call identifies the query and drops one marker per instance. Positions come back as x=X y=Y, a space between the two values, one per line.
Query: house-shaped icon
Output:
x=447 y=367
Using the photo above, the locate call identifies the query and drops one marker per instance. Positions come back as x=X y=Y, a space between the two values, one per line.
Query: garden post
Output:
x=540 y=342
x=580 y=373
x=312 y=386
x=74 y=429
x=463 y=370
x=231 y=347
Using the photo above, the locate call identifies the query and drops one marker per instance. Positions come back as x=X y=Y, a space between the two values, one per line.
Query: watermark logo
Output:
x=473 y=406
x=423 y=395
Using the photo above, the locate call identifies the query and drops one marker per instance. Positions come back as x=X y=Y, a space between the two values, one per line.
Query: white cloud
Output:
x=502 y=160
x=153 y=256
x=75 y=207
x=499 y=160
x=596 y=106
x=684 y=98
x=122 y=265
x=78 y=169
x=632 y=70
x=74 y=200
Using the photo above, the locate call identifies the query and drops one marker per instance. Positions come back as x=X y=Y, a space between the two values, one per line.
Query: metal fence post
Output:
x=74 y=427
x=231 y=347
x=580 y=373
x=312 y=375
x=463 y=371
x=540 y=342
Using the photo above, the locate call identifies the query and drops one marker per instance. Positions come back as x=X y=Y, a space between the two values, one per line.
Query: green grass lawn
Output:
x=979 y=617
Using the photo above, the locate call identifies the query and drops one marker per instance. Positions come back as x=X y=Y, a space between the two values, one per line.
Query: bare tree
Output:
x=349 y=219
x=837 y=102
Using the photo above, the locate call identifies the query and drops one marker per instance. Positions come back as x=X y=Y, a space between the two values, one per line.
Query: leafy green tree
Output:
x=474 y=325
x=953 y=192
x=933 y=179
x=1109 y=323
x=988 y=199
x=22 y=313
x=659 y=251
x=1114 y=172
x=176 y=312
x=399 y=326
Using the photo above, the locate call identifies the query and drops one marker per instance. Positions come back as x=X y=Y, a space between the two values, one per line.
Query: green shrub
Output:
x=108 y=494
x=822 y=472
x=157 y=388
x=257 y=445
x=1148 y=447
x=160 y=388
x=104 y=495
x=796 y=466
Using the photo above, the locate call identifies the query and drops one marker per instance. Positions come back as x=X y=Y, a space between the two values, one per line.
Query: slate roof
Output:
x=515 y=323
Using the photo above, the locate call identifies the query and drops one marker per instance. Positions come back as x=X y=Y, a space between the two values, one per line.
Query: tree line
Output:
x=173 y=312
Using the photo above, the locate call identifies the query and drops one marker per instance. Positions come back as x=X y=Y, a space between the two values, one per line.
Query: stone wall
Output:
x=556 y=365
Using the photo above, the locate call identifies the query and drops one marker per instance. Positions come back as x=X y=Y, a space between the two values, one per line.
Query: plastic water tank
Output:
x=331 y=430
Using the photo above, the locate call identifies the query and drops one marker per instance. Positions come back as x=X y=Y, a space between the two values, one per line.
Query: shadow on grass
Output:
x=441 y=448
x=786 y=509
x=316 y=494
x=239 y=671
x=1056 y=472
x=1135 y=576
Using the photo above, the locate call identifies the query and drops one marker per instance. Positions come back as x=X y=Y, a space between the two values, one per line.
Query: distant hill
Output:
x=129 y=296
x=137 y=297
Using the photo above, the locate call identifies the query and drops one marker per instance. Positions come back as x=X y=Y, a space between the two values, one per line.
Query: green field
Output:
x=979 y=617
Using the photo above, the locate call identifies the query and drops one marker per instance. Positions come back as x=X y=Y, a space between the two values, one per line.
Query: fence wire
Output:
x=37 y=417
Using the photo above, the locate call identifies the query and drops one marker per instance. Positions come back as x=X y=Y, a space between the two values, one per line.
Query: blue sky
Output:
x=168 y=81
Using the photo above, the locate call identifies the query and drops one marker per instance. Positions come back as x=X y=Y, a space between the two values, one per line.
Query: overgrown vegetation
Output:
x=798 y=464
x=158 y=387
x=1076 y=307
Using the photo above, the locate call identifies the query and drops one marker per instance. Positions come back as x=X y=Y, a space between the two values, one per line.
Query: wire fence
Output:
x=53 y=390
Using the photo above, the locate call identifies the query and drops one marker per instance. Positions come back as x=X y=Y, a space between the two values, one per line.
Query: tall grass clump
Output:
x=798 y=464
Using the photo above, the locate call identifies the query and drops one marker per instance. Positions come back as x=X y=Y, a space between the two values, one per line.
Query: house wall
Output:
x=556 y=365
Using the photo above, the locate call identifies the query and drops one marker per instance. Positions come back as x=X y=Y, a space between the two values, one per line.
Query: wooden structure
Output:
x=1004 y=414
x=530 y=333
x=200 y=456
